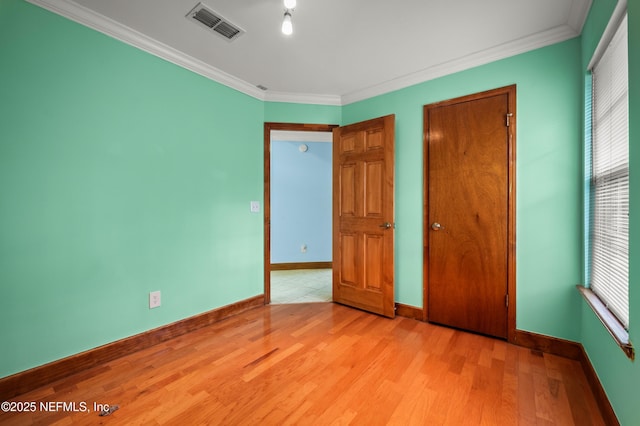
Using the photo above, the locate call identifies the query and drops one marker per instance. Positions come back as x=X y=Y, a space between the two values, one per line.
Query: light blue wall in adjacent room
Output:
x=300 y=202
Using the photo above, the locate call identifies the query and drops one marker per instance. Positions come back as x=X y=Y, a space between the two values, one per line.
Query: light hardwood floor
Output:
x=322 y=364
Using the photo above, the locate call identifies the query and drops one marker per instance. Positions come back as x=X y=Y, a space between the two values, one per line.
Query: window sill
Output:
x=610 y=322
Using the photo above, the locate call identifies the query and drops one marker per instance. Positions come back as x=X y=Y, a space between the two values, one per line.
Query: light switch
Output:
x=255 y=206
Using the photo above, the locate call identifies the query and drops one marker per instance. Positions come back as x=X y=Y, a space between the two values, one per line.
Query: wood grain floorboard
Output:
x=323 y=364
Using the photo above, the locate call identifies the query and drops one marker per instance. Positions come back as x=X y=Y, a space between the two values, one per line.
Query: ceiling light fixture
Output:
x=287 y=25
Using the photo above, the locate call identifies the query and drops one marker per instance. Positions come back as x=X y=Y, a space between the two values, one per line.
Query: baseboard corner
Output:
x=574 y=351
x=409 y=311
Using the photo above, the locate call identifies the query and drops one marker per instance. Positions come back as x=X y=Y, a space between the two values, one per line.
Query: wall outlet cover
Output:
x=154 y=299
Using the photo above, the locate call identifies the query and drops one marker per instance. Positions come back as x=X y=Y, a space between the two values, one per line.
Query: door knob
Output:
x=436 y=226
x=385 y=225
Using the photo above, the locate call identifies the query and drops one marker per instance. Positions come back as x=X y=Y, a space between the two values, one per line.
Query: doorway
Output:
x=362 y=204
x=288 y=275
x=469 y=212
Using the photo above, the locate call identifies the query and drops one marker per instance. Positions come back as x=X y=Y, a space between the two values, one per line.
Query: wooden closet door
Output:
x=467 y=218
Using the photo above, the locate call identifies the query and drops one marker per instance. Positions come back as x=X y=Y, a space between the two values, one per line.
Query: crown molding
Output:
x=301 y=98
x=84 y=16
x=483 y=57
x=105 y=25
x=577 y=17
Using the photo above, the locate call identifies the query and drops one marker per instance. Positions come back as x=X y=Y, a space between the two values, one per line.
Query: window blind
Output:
x=610 y=177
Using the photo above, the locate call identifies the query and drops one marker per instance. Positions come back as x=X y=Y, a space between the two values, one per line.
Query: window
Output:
x=609 y=192
x=610 y=177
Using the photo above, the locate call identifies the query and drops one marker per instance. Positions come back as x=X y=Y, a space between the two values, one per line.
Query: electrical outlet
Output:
x=255 y=207
x=154 y=299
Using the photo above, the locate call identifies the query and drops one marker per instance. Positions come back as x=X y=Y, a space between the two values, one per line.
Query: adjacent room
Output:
x=300 y=202
x=144 y=208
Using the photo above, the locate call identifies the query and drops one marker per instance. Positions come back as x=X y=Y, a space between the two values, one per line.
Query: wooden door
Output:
x=468 y=183
x=363 y=215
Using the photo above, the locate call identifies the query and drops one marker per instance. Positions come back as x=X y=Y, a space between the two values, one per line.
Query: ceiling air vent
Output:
x=215 y=22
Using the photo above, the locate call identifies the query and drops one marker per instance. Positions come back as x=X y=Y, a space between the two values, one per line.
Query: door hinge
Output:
x=509 y=115
x=506 y=300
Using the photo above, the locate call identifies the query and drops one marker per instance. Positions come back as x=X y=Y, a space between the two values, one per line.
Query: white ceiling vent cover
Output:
x=214 y=22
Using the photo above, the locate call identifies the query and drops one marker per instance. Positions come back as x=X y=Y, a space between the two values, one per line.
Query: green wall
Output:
x=548 y=168
x=619 y=376
x=282 y=112
x=120 y=174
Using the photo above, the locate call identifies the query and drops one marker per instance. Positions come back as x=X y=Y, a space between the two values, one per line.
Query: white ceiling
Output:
x=341 y=51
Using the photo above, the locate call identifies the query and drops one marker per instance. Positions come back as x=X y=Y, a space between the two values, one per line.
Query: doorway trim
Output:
x=268 y=127
x=510 y=91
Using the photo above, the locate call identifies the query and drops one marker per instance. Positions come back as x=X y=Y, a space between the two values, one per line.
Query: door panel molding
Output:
x=510 y=92
x=363 y=209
